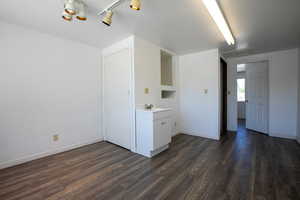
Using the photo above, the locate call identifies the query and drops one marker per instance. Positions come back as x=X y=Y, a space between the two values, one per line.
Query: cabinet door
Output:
x=162 y=133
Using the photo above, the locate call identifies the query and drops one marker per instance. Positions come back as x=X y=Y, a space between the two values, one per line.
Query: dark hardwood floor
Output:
x=241 y=166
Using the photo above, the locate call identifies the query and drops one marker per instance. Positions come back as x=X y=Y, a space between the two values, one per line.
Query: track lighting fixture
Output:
x=78 y=8
x=81 y=15
x=70 y=7
x=107 y=20
x=66 y=16
x=74 y=7
x=135 y=4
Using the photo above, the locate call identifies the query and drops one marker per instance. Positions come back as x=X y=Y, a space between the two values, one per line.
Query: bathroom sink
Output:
x=159 y=109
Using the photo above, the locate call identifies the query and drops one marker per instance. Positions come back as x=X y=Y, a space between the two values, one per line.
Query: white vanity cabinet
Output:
x=153 y=131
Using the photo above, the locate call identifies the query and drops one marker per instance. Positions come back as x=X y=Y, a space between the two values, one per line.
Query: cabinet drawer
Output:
x=162 y=132
x=162 y=115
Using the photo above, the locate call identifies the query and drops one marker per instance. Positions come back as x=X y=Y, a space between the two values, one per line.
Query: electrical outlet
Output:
x=146 y=90
x=55 y=138
x=205 y=91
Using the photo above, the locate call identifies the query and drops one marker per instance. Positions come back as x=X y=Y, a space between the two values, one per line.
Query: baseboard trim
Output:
x=283 y=136
x=176 y=134
x=26 y=159
x=199 y=135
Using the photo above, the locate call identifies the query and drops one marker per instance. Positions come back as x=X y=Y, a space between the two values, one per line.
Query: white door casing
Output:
x=117 y=98
x=257 y=92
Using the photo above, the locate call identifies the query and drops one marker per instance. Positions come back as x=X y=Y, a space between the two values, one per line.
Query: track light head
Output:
x=135 y=4
x=66 y=16
x=81 y=12
x=70 y=7
x=107 y=20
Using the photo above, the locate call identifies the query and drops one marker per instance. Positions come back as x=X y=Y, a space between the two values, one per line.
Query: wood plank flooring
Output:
x=241 y=166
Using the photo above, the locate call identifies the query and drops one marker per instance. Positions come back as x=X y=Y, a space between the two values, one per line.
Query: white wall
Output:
x=298 y=138
x=283 y=77
x=147 y=72
x=48 y=86
x=200 y=112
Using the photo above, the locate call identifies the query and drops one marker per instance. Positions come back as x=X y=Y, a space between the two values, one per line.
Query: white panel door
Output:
x=257 y=96
x=117 y=100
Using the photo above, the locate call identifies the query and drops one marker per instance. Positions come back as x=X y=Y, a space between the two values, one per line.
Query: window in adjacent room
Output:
x=241 y=95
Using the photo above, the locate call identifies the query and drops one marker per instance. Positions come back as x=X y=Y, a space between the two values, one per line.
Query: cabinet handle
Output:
x=163 y=123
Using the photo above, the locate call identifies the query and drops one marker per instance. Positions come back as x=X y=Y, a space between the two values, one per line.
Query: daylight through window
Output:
x=241 y=89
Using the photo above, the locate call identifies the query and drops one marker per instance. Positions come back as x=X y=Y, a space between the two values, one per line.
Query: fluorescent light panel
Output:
x=216 y=13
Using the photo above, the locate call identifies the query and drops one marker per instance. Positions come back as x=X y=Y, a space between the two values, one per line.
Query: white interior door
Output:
x=257 y=96
x=117 y=100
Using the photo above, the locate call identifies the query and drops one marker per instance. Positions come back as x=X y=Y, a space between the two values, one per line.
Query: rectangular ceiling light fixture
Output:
x=217 y=15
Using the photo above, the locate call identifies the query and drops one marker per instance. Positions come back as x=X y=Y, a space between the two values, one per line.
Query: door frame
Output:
x=124 y=44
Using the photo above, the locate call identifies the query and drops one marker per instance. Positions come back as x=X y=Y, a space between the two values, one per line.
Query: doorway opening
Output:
x=223 y=82
x=241 y=95
x=252 y=83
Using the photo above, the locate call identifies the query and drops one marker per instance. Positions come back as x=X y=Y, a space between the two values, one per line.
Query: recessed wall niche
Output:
x=166 y=68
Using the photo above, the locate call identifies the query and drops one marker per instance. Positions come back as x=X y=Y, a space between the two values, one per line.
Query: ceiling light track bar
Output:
x=111 y=6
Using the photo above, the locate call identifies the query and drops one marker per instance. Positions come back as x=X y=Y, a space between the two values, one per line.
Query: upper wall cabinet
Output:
x=166 y=69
